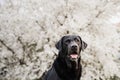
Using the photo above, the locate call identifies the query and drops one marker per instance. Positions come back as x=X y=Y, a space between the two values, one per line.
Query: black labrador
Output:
x=67 y=64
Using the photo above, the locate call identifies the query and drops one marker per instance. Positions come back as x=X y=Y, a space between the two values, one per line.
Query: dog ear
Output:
x=84 y=45
x=58 y=45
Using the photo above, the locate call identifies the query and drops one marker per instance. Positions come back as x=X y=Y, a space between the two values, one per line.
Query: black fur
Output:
x=63 y=67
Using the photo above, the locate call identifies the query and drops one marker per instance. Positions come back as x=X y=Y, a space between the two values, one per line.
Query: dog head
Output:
x=70 y=47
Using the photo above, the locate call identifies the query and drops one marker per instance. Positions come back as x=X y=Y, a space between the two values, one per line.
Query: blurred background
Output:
x=29 y=30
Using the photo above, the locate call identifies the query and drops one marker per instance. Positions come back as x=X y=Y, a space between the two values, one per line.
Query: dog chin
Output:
x=73 y=61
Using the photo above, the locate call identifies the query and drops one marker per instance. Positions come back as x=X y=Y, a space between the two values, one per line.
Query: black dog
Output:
x=67 y=65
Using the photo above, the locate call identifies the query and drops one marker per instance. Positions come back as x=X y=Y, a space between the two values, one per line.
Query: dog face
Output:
x=70 y=47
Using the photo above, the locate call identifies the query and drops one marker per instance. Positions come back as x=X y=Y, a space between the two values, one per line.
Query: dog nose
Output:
x=74 y=47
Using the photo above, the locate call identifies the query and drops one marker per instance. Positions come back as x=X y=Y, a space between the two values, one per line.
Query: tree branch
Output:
x=10 y=49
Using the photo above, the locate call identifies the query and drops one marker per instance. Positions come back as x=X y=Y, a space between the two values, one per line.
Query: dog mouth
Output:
x=73 y=55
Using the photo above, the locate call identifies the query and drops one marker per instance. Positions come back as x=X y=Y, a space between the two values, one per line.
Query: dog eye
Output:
x=68 y=41
x=77 y=40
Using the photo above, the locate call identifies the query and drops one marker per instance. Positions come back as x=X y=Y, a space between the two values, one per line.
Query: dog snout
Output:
x=74 y=47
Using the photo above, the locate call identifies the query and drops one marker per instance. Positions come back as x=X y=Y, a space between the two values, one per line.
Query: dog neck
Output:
x=67 y=72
